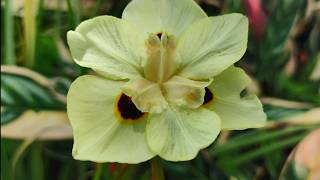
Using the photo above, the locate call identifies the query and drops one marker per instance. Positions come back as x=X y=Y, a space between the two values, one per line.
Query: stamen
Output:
x=208 y=96
x=160 y=64
x=127 y=109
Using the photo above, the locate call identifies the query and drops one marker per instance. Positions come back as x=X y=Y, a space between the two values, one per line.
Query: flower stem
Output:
x=156 y=169
x=98 y=172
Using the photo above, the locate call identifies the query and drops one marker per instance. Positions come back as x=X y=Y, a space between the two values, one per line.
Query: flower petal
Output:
x=236 y=113
x=98 y=135
x=178 y=134
x=108 y=45
x=171 y=16
x=212 y=44
x=185 y=92
x=146 y=95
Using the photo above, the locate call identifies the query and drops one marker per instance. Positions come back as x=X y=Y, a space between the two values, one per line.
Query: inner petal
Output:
x=161 y=56
x=146 y=95
x=185 y=92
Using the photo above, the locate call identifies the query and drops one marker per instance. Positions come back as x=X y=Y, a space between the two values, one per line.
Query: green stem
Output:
x=36 y=162
x=30 y=30
x=156 y=169
x=9 y=34
x=98 y=173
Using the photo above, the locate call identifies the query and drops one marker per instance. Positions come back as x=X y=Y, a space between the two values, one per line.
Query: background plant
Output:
x=36 y=70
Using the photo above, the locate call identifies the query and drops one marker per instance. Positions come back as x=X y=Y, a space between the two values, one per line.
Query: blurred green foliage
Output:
x=283 y=60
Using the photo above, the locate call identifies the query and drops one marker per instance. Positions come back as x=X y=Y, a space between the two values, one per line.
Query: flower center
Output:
x=127 y=109
x=160 y=64
x=160 y=86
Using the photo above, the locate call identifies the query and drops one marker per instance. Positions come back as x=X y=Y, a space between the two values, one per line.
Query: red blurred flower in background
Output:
x=257 y=17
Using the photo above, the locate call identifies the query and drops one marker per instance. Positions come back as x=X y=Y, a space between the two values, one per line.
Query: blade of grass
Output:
x=105 y=172
x=9 y=34
x=5 y=167
x=235 y=161
x=57 y=17
x=97 y=6
x=198 y=174
x=20 y=150
x=253 y=138
x=74 y=12
x=82 y=170
x=40 y=15
x=37 y=170
x=65 y=172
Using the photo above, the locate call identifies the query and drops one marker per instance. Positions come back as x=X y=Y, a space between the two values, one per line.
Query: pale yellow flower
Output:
x=167 y=83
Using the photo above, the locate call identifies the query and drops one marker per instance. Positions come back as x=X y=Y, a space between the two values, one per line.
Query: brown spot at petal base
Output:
x=126 y=108
x=159 y=35
x=208 y=97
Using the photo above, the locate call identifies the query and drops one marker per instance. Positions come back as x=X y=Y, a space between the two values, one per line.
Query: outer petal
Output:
x=212 y=44
x=146 y=95
x=178 y=134
x=98 y=135
x=171 y=16
x=236 y=113
x=185 y=92
x=108 y=45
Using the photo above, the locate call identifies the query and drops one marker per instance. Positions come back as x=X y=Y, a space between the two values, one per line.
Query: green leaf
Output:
x=254 y=137
x=280 y=113
x=47 y=56
x=21 y=93
x=272 y=45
